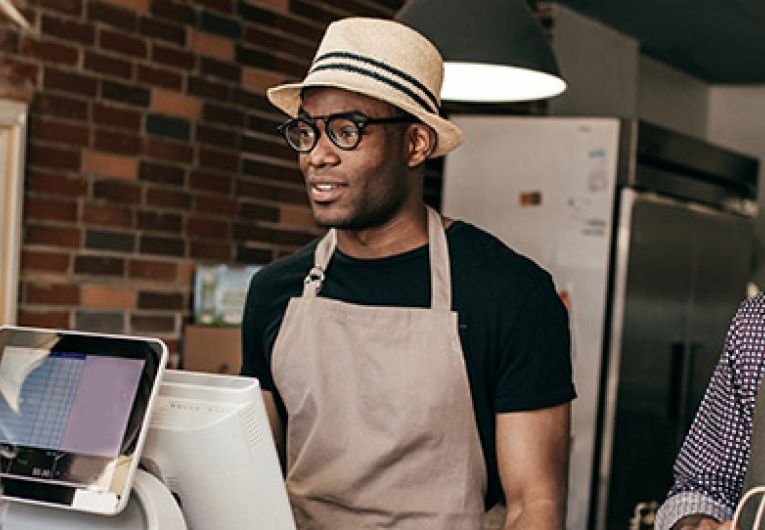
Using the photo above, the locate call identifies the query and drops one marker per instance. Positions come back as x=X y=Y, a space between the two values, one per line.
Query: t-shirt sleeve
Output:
x=255 y=362
x=534 y=364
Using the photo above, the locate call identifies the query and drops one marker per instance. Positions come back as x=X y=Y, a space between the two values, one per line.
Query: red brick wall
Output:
x=152 y=149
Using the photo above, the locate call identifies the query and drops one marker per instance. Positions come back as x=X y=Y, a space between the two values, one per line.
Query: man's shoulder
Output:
x=475 y=250
x=278 y=275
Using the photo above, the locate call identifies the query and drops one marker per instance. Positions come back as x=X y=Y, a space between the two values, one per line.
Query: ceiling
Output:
x=718 y=41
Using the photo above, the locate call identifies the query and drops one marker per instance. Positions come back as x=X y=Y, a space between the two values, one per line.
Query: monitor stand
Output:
x=151 y=507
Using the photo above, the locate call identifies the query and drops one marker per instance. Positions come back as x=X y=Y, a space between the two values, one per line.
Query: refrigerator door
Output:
x=546 y=187
x=681 y=271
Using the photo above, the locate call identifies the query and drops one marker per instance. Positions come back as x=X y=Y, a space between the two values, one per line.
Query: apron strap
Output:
x=440 y=275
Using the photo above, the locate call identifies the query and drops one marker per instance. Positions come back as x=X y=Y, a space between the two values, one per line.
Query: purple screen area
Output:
x=102 y=405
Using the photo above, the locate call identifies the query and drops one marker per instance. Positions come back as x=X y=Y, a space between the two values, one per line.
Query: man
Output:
x=724 y=452
x=415 y=368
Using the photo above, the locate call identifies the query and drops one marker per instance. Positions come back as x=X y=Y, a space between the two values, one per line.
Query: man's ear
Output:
x=420 y=142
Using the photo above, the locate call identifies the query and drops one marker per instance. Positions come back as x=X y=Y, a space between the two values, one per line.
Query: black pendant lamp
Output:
x=494 y=50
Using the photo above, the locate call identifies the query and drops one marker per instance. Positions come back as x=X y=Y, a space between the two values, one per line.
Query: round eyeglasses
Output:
x=344 y=129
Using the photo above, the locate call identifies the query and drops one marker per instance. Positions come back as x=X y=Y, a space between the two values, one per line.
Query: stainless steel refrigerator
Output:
x=649 y=237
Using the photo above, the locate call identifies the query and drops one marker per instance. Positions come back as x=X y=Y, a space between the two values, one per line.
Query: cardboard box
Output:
x=212 y=349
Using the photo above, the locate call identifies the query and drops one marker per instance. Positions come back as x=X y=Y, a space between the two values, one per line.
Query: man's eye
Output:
x=348 y=132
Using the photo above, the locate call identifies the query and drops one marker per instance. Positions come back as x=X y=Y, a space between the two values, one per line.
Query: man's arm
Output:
x=532 y=455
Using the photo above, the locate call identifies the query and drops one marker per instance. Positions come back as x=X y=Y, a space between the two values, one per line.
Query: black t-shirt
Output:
x=512 y=325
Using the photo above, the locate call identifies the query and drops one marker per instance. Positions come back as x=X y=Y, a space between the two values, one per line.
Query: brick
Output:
x=276 y=148
x=280 y=22
x=216 y=159
x=108 y=297
x=157 y=29
x=159 y=77
x=260 y=80
x=172 y=57
x=159 y=222
x=117 y=142
x=220 y=114
x=253 y=101
x=263 y=125
x=54 y=79
x=169 y=150
x=44 y=319
x=220 y=25
x=56 y=184
x=68 y=29
x=313 y=12
x=109 y=165
x=222 y=70
x=53 y=157
x=152 y=324
x=99 y=265
x=36 y=260
x=9 y=41
x=61 y=106
x=212 y=182
x=208 y=89
x=168 y=126
x=52 y=294
x=71 y=7
x=175 y=104
x=263 y=38
x=210 y=251
x=255 y=256
x=139 y=6
x=44 y=209
x=107 y=240
x=281 y=5
x=258 y=212
x=49 y=51
x=291 y=237
x=260 y=190
x=115 y=16
x=227 y=6
x=154 y=300
x=216 y=136
x=164 y=246
x=152 y=270
x=212 y=46
x=60 y=132
x=186 y=271
x=101 y=322
x=207 y=228
x=260 y=169
x=251 y=232
x=99 y=214
x=268 y=61
x=122 y=43
x=108 y=65
x=130 y=94
x=177 y=12
x=121 y=192
x=117 y=117
x=161 y=173
x=52 y=235
x=215 y=205
x=18 y=70
x=179 y=200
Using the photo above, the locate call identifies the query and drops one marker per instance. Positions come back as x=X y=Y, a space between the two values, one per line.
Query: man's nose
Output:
x=324 y=152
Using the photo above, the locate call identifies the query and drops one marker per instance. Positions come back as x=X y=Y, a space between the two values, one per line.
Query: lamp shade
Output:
x=493 y=50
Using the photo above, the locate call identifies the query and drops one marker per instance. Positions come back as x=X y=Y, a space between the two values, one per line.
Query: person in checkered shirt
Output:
x=710 y=468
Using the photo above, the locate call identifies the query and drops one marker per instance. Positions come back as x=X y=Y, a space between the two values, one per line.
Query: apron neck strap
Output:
x=438 y=251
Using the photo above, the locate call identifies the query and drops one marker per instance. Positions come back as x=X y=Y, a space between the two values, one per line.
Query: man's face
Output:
x=366 y=186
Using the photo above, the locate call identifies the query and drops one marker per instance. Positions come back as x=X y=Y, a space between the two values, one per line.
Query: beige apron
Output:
x=381 y=430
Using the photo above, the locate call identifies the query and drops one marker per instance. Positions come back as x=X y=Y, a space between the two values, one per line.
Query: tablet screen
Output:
x=73 y=413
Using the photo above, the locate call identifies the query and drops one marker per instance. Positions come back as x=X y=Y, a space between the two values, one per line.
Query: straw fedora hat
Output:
x=382 y=59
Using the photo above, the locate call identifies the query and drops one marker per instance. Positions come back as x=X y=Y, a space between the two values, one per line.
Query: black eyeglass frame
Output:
x=358 y=119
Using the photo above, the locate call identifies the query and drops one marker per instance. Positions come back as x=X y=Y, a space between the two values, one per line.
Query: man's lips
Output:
x=324 y=191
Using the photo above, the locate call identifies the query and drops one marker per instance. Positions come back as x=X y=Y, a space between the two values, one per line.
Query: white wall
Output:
x=737 y=121
x=672 y=99
x=600 y=65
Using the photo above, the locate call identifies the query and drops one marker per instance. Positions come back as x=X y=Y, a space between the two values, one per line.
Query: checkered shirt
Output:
x=709 y=471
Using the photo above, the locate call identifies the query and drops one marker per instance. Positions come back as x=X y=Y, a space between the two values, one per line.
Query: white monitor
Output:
x=210 y=442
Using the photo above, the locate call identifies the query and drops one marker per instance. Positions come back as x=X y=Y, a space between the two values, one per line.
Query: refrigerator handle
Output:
x=676 y=396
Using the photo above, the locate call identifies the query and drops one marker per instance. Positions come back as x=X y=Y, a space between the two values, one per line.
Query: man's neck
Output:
x=407 y=231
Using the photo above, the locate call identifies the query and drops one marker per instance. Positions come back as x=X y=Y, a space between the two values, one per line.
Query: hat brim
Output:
x=287 y=98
